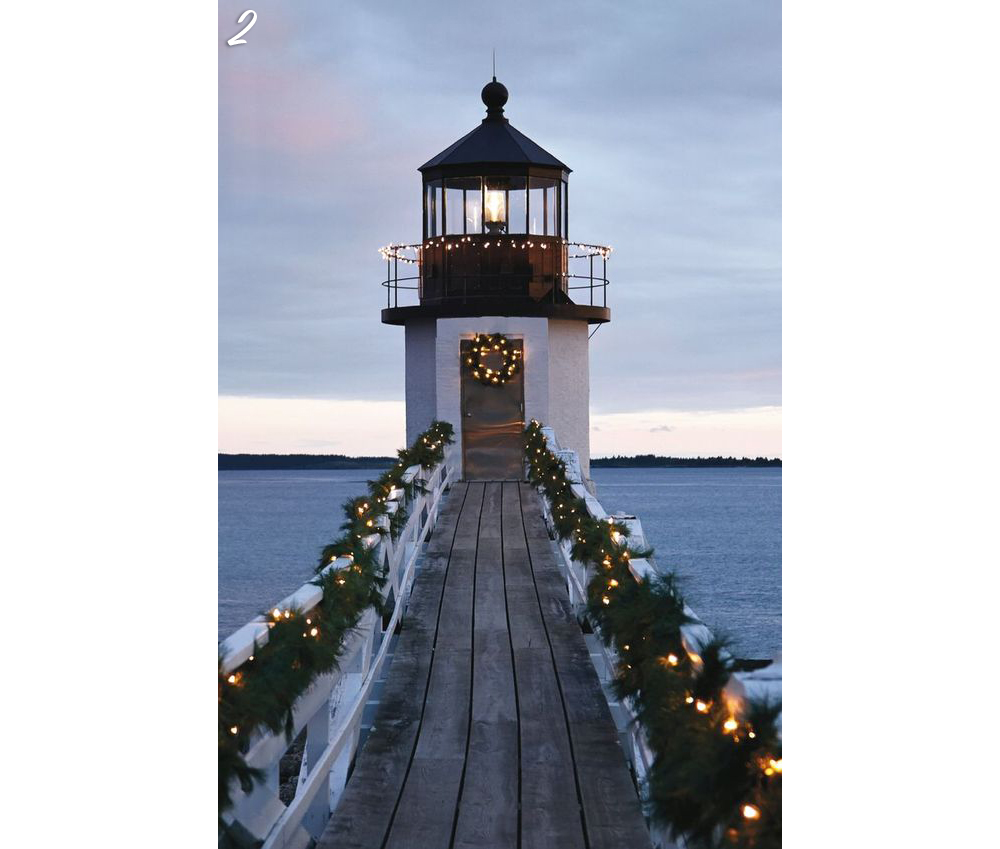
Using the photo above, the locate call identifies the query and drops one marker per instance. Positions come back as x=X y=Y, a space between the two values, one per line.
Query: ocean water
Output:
x=719 y=529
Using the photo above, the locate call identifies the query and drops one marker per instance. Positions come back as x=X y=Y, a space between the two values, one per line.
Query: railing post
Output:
x=604 y=273
x=395 y=274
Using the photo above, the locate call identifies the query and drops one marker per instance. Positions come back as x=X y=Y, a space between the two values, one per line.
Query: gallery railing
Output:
x=522 y=268
x=330 y=711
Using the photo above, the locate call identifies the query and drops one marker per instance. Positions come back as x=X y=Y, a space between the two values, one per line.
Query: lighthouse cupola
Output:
x=495 y=262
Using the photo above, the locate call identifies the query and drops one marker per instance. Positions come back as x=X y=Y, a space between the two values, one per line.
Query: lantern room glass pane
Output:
x=463 y=205
x=543 y=207
x=474 y=206
x=433 y=210
x=505 y=209
x=517 y=205
x=565 y=210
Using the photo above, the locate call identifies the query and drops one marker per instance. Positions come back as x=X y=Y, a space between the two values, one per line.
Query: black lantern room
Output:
x=496 y=234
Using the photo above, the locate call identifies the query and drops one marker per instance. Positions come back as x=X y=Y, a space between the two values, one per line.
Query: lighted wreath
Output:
x=493 y=345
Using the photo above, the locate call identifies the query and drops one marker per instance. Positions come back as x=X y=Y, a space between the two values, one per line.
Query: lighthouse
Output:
x=497 y=303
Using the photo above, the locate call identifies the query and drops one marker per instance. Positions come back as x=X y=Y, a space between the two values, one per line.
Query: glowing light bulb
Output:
x=672 y=659
x=750 y=812
x=276 y=613
x=775 y=764
x=730 y=724
x=606 y=600
x=494 y=207
x=234 y=730
x=313 y=632
x=689 y=699
x=701 y=706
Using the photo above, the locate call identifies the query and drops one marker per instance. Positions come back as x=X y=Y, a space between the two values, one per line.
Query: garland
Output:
x=261 y=694
x=485 y=344
x=715 y=778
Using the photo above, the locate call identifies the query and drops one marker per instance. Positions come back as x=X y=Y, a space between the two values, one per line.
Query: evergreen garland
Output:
x=715 y=779
x=261 y=694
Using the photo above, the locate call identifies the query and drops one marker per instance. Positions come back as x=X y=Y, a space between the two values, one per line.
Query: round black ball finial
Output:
x=494 y=96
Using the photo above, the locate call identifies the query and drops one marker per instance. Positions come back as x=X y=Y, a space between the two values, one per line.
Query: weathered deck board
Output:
x=492 y=731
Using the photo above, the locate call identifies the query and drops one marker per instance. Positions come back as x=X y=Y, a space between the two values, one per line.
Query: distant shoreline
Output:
x=653 y=461
x=320 y=462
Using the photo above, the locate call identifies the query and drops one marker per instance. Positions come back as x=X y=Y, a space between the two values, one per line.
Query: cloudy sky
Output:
x=669 y=114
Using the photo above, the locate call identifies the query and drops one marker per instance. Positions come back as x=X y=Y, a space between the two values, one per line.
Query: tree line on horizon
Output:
x=305 y=462
x=654 y=461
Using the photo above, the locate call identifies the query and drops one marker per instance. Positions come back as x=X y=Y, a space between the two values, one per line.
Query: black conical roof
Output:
x=494 y=141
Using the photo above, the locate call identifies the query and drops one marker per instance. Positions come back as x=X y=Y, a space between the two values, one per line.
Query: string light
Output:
x=750 y=812
x=730 y=724
x=700 y=706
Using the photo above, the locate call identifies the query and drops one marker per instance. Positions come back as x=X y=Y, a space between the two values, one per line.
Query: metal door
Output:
x=492 y=424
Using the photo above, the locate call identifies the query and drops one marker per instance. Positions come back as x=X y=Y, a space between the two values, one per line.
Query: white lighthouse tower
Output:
x=496 y=323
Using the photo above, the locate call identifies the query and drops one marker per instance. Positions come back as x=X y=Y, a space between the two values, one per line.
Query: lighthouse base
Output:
x=554 y=384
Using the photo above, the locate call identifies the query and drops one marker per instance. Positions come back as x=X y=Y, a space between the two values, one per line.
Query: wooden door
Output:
x=492 y=423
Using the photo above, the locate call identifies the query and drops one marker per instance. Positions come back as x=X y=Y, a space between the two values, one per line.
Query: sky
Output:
x=669 y=114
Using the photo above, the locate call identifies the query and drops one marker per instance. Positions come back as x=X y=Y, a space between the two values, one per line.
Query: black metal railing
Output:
x=586 y=285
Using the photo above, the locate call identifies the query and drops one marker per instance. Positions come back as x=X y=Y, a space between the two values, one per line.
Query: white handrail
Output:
x=331 y=709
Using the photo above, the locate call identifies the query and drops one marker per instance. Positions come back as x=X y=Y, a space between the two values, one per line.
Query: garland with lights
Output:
x=485 y=345
x=261 y=694
x=716 y=778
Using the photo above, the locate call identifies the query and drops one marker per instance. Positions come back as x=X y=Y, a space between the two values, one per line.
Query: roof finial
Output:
x=494 y=64
x=494 y=96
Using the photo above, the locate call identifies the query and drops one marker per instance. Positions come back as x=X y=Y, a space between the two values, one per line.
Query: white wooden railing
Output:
x=331 y=709
x=758 y=684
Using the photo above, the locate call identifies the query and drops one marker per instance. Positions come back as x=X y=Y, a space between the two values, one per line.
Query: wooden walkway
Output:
x=492 y=730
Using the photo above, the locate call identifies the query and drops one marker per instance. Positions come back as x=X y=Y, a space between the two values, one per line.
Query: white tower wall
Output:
x=421 y=382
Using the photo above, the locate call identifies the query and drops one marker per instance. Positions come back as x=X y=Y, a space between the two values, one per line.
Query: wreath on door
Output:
x=492 y=359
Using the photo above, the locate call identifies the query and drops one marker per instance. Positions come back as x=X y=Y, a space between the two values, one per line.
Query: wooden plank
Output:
x=426 y=812
x=455 y=623
x=534 y=524
x=611 y=809
x=550 y=812
x=443 y=533
x=527 y=629
x=487 y=817
x=493 y=694
x=489 y=526
x=467 y=533
x=513 y=530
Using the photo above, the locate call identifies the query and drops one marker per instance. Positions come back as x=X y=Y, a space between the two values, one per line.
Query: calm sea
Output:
x=719 y=529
